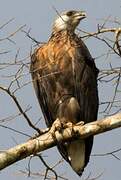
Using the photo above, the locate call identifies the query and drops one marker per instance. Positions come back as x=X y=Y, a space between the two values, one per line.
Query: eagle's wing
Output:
x=65 y=80
x=40 y=72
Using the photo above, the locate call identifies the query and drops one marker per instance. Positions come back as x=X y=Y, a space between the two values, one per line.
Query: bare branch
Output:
x=32 y=38
x=101 y=30
x=47 y=140
x=6 y=23
x=14 y=130
x=20 y=109
x=112 y=153
x=12 y=34
x=48 y=168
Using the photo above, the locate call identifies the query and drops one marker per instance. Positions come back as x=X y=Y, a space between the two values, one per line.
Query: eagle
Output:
x=64 y=76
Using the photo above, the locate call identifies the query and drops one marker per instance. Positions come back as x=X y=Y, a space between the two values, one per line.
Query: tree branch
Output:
x=20 y=108
x=47 y=140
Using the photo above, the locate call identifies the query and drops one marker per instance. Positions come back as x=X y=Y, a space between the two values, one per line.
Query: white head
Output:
x=68 y=20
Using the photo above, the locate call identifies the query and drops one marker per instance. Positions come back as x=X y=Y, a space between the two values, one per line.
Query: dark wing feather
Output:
x=36 y=72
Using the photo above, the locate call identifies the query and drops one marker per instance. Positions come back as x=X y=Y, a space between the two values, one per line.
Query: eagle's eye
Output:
x=70 y=13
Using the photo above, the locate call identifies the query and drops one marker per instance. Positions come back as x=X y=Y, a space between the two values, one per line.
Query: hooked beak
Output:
x=80 y=15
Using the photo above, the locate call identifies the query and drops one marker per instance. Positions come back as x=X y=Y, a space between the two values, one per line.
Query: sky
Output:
x=38 y=17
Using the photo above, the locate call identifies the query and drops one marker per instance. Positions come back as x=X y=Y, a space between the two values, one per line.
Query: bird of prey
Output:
x=65 y=81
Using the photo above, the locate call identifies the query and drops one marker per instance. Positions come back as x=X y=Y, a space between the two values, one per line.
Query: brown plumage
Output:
x=65 y=80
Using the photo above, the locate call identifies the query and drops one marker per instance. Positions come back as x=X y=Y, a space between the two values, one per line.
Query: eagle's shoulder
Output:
x=38 y=58
x=38 y=52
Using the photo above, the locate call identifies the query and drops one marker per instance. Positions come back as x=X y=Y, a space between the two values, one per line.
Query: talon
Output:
x=56 y=126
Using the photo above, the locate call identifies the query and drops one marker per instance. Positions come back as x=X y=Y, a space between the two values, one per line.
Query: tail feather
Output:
x=76 y=152
x=76 y=155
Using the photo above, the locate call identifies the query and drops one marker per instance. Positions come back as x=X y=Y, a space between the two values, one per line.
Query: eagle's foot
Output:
x=68 y=125
x=56 y=130
x=56 y=126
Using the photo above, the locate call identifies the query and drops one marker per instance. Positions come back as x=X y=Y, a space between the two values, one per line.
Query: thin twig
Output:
x=20 y=109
